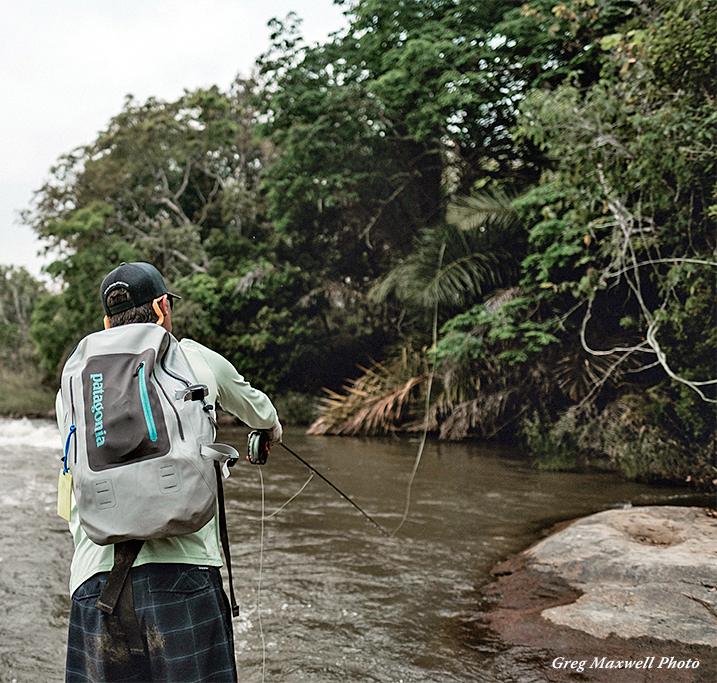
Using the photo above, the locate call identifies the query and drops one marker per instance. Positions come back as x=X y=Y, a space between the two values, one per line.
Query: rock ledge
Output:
x=626 y=584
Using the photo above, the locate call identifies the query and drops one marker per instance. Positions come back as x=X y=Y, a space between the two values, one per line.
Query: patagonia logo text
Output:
x=97 y=408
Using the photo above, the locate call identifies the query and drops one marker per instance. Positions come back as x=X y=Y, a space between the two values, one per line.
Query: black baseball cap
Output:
x=143 y=282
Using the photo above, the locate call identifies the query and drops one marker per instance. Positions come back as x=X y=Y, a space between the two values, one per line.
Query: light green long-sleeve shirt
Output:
x=228 y=389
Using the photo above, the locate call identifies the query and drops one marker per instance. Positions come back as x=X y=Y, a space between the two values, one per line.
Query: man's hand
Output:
x=275 y=433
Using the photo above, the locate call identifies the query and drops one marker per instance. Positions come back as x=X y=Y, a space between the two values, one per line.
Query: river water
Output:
x=324 y=595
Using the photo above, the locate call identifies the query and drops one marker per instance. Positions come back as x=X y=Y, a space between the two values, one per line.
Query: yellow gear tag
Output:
x=64 y=495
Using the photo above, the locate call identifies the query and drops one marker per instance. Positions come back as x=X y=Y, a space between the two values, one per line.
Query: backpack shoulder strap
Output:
x=116 y=598
x=224 y=537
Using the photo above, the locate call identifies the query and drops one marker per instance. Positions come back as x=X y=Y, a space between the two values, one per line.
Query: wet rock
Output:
x=622 y=584
x=642 y=572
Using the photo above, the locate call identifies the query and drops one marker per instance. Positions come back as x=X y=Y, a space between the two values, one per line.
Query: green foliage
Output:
x=271 y=324
x=322 y=217
x=555 y=40
x=553 y=444
x=449 y=268
x=175 y=184
x=637 y=434
x=19 y=293
x=506 y=335
x=621 y=223
x=346 y=192
x=642 y=435
x=456 y=263
x=162 y=167
x=681 y=55
x=59 y=321
x=558 y=239
x=619 y=237
x=411 y=101
x=688 y=328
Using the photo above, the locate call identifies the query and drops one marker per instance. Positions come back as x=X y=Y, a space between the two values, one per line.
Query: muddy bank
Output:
x=623 y=595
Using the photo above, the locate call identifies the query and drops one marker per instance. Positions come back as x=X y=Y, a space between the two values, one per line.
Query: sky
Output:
x=67 y=66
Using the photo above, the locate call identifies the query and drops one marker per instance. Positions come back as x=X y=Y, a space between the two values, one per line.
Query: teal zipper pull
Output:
x=146 y=407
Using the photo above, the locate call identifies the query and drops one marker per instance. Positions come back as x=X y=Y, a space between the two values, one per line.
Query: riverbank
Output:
x=24 y=395
x=620 y=596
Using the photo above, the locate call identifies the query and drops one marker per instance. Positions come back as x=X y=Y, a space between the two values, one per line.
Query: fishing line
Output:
x=306 y=483
x=258 y=588
x=264 y=517
x=338 y=490
x=418 y=456
x=429 y=386
x=258 y=444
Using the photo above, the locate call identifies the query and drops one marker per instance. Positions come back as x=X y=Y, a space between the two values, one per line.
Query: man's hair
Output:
x=144 y=313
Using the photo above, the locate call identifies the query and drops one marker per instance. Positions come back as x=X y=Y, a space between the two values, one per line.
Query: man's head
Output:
x=136 y=293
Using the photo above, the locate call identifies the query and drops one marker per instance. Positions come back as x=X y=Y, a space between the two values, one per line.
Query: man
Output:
x=181 y=607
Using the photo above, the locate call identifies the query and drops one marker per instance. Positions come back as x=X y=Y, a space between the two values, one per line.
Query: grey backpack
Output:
x=139 y=436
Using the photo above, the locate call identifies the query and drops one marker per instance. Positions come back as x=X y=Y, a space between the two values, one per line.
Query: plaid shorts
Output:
x=184 y=620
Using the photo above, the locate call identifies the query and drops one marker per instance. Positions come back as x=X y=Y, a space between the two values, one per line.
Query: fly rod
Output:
x=338 y=490
x=259 y=451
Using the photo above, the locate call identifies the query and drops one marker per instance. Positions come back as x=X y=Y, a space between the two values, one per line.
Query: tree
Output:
x=172 y=173
x=630 y=209
x=410 y=106
x=19 y=291
x=173 y=183
x=623 y=233
x=177 y=184
x=598 y=351
x=346 y=191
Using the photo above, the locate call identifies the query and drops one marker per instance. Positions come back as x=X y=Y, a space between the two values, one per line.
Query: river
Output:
x=324 y=595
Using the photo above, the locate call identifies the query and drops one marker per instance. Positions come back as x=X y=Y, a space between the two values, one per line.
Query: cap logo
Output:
x=114 y=285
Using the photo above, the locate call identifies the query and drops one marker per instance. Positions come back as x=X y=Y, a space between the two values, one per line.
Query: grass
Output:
x=24 y=395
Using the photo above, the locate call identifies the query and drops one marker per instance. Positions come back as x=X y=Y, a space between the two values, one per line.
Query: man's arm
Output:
x=235 y=394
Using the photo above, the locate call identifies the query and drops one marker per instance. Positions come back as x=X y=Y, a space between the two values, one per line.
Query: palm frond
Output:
x=577 y=372
x=377 y=402
x=459 y=261
x=470 y=212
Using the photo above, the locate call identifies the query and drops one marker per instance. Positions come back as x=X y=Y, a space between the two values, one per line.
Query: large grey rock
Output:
x=649 y=571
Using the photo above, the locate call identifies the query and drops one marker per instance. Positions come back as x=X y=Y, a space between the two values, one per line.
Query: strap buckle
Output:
x=195 y=392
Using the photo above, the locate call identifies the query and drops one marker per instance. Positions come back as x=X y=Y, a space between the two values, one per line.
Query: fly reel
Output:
x=258 y=447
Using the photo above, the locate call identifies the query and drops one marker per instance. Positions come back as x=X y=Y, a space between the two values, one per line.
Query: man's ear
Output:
x=160 y=308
